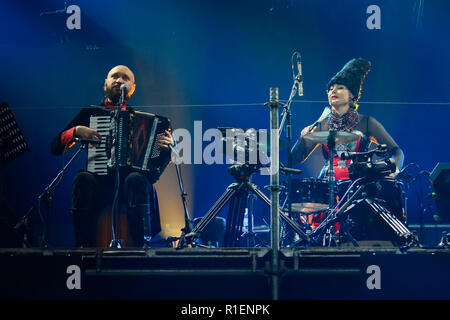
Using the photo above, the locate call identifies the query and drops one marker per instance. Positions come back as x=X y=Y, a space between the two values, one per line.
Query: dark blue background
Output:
x=215 y=61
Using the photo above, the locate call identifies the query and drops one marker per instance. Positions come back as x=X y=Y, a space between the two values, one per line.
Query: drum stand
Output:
x=236 y=195
x=331 y=146
x=343 y=228
x=331 y=143
x=401 y=234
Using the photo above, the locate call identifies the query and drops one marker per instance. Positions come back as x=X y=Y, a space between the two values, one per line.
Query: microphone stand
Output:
x=331 y=142
x=286 y=116
x=275 y=188
x=187 y=219
x=115 y=243
x=331 y=146
x=288 y=138
x=45 y=196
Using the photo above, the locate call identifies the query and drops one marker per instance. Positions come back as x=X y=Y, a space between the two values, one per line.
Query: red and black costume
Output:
x=369 y=131
x=91 y=193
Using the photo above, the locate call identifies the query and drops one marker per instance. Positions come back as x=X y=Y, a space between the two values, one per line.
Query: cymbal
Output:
x=340 y=136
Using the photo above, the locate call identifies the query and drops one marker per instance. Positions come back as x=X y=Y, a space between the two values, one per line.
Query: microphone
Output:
x=173 y=148
x=72 y=142
x=325 y=114
x=124 y=89
x=299 y=76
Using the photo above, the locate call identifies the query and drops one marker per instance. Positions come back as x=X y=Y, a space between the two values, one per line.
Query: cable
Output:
x=255 y=104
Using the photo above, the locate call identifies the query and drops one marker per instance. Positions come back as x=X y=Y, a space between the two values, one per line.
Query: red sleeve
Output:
x=67 y=135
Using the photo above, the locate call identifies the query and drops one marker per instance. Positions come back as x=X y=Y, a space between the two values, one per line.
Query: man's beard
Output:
x=113 y=95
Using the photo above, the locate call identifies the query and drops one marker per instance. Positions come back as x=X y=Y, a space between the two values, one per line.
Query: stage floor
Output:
x=225 y=273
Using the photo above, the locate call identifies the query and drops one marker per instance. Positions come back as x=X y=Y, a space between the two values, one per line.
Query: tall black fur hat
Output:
x=352 y=76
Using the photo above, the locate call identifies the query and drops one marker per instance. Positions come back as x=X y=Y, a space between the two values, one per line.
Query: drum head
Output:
x=308 y=207
x=309 y=196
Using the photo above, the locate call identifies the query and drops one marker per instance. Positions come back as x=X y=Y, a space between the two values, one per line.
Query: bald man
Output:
x=91 y=193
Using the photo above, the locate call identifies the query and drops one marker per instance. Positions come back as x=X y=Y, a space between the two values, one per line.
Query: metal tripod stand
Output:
x=236 y=195
x=397 y=231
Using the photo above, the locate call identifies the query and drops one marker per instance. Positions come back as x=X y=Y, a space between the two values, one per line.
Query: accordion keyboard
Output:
x=97 y=159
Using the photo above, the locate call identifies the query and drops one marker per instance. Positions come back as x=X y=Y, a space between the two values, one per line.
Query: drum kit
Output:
x=369 y=205
x=315 y=212
x=321 y=212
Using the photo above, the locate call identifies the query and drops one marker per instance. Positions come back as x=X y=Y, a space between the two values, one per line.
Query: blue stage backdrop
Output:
x=214 y=61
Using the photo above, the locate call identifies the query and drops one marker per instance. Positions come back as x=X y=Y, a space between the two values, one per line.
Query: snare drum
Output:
x=309 y=196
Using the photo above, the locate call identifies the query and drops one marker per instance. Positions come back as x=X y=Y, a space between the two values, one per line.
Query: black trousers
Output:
x=91 y=193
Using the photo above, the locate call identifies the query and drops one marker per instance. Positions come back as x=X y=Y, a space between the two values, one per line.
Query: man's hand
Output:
x=393 y=174
x=164 y=141
x=305 y=130
x=396 y=172
x=83 y=132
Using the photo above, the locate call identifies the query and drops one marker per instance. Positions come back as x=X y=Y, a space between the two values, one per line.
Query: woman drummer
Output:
x=344 y=90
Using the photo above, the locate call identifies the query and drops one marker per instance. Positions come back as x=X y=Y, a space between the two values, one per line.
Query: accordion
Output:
x=129 y=140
